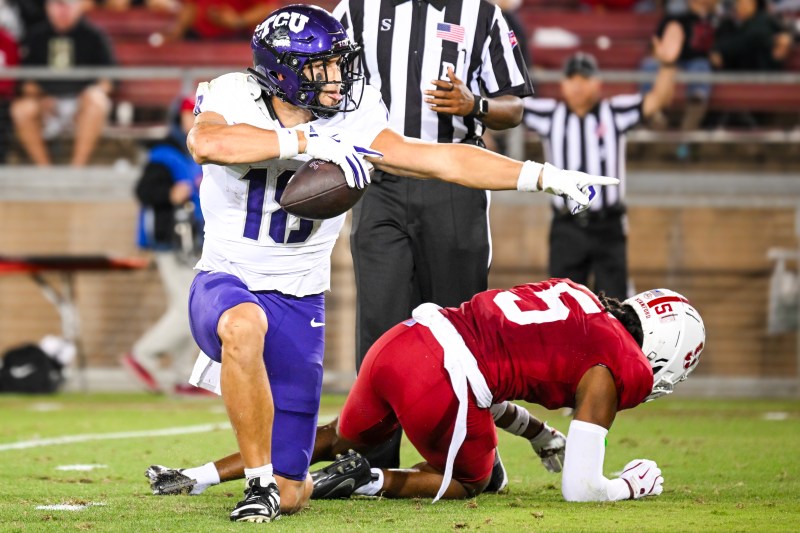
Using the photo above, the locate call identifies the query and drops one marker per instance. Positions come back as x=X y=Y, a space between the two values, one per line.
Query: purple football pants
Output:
x=293 y=351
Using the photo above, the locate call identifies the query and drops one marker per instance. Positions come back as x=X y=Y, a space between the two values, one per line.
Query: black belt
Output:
x=613 y=212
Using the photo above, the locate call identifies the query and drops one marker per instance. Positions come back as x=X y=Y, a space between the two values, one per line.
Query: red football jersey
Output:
x=535 y=341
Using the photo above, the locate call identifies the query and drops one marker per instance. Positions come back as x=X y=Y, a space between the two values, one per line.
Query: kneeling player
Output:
x=553 y=343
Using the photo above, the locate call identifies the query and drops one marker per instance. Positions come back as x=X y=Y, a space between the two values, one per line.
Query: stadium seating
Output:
x=590 y=25
x=619 y=40
x=131 y=24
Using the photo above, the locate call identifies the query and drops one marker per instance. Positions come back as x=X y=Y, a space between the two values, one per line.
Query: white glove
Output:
x=350 y=158
x=549 y=445
x=643 y=477
x=573 y=184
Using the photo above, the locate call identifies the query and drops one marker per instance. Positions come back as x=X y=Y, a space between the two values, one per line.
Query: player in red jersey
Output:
x=553 y=343
x=447 y=375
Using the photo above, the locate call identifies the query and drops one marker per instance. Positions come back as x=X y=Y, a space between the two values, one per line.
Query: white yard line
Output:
x=71 y=439
x=80 y=468
x=68 y=506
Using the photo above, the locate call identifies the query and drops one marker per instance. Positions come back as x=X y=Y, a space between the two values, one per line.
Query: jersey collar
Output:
x=438 y=4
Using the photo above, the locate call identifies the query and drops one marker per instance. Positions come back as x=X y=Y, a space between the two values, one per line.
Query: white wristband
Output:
x=288 y=142
x=528 y=180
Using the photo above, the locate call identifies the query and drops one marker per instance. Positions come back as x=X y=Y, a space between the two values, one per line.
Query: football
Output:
x=318 y=191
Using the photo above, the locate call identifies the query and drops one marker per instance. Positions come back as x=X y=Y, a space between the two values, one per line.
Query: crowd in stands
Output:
x=716 y=35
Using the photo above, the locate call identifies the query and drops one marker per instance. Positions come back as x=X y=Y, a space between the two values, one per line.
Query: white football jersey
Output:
x=247 y=234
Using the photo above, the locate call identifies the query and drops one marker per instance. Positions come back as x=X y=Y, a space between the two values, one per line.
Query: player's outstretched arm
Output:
x=582 y=478
x=477 y=168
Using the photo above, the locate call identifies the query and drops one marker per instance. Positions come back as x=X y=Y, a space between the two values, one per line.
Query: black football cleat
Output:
x=499 y=480
x=166 y=481
x=342 y=477
x=260 y=504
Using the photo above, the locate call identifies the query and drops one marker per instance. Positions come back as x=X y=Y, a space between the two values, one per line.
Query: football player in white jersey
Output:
x=257 y=304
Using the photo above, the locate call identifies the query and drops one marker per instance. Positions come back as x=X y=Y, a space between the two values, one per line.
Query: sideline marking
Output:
x=776 y=416
x=80 y=468
x=70 y=439
x=46 y=407
x=69 y=506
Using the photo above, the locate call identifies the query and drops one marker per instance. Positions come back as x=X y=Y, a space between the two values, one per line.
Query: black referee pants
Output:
x=591 y=244
x=415 y=241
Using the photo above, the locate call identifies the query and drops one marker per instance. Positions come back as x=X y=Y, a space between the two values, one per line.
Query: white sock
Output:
x=263 y=472
x=373 y=487
x=206 y=476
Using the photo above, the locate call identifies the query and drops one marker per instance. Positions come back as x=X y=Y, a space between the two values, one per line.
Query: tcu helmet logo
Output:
x=295 y=21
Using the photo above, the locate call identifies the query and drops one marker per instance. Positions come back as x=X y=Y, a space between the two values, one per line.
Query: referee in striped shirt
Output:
x=588 y=133
x=446 y=69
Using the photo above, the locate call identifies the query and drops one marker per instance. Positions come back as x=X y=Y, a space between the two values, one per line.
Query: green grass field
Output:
x=728 y=466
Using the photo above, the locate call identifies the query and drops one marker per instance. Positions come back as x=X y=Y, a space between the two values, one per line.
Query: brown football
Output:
x=318 y=191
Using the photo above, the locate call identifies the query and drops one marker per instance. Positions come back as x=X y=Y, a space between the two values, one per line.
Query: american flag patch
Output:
x=450 y=32
x=512 y=38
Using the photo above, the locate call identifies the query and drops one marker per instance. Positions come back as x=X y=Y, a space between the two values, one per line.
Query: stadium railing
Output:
x=155 y=87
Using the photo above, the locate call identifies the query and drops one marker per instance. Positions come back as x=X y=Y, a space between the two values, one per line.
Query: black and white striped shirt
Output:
x=408 y=43
x=594 y=144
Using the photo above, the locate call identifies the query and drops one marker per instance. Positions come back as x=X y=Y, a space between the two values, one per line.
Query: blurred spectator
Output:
x=783 y=42
x=749 y=38
x=692 y=35
x=170 y=224
x=219 y=19
x=11 y=21
x=786 y=6
x=9 y=57
x=619 y=5
x=155 y=5
x=46 y=108
x=31 y=11
x=673 y=7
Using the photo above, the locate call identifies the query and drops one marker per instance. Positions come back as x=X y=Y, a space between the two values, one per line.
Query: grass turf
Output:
x=728 y=466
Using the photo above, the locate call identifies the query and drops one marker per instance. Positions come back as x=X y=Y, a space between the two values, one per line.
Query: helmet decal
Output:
x=295 y=21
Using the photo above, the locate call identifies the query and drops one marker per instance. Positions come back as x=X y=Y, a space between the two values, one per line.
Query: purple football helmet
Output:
x=294 y=36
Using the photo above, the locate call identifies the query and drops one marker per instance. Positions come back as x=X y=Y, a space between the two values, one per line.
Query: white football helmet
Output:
x=674 y=336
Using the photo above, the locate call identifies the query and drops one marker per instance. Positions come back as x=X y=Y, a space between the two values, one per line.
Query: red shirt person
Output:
x=553 y=343
x=219 y=19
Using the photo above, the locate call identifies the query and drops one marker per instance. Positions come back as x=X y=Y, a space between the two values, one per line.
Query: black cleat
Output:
x=499 y=480
x=260 y=504
x=166 y=481
x=342 y=477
